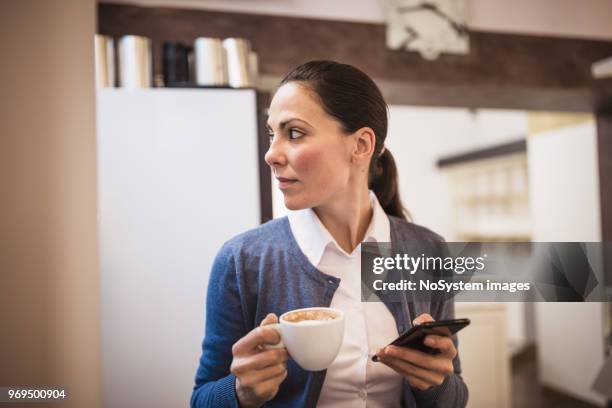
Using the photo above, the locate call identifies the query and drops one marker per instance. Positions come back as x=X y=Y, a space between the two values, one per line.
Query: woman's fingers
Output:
x=422 y=318
x=439 y=363
x=269 y=319
x=250 y=343
x=259 y=361
x=417 y=383
x=269 y=388
x=419 y=376
x=253 y=378
x=442 y=343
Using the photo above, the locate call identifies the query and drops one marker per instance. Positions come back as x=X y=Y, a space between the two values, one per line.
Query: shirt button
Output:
x=363 y=394
x=330 y=281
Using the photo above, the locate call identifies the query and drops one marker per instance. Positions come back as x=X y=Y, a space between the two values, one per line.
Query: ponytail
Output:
x=383 y=181
x=351 y=97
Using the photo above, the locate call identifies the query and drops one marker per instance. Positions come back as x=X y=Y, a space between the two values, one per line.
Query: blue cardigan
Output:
x=264 y=271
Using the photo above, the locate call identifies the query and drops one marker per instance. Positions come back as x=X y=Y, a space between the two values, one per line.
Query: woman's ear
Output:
x=364 y=143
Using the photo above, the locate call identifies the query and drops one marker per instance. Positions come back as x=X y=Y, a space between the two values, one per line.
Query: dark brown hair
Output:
x=350 y=96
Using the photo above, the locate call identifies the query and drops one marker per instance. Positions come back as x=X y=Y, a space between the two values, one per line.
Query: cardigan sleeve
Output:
x=214 y=383
x=453 y=392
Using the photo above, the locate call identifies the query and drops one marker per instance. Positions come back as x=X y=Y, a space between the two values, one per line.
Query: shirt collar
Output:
x=313 y=238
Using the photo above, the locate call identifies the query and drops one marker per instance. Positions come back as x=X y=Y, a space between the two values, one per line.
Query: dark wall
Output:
x=501 y=70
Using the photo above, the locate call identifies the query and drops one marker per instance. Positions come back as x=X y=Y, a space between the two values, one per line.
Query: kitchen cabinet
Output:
x=484 y=353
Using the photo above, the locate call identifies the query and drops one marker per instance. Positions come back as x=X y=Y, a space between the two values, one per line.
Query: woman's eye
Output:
x=294 y=134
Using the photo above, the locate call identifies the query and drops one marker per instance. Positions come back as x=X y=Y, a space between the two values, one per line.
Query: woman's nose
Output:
x=275 y=156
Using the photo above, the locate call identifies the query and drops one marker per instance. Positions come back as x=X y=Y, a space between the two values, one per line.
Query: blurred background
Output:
x=132 y=141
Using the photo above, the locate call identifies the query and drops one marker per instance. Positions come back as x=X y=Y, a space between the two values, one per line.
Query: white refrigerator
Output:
x=178 y=175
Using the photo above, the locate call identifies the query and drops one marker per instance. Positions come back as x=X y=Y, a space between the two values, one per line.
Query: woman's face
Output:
x=309 y=153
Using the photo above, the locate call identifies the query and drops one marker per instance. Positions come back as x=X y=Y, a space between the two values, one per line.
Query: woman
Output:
x=327 y=125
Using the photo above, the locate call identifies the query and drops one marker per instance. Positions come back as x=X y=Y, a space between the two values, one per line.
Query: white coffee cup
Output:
x=313 y=344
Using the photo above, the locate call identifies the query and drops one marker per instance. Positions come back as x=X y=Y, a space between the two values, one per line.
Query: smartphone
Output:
x=413 y=338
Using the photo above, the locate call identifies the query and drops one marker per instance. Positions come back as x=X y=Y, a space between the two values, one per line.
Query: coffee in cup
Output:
x=305 y=315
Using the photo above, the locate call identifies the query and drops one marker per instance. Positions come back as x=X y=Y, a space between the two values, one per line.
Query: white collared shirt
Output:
x=353 y=379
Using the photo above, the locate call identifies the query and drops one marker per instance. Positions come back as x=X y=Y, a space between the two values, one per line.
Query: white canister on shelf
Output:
x=105 y=61
x=210 y=62
x=135 y=62
x=239 y=72
x=254 y=66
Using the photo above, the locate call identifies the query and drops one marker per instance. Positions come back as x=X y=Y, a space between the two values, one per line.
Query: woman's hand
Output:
x=422 y=370
x=258 y=372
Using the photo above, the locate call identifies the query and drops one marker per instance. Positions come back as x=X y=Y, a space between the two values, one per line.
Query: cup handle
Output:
x=280 y=344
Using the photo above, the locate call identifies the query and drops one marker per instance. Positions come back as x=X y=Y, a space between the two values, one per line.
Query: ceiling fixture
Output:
x=430 y=27
x=602 y=69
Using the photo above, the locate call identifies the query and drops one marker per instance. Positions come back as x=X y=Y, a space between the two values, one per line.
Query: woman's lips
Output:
x=285 y=182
